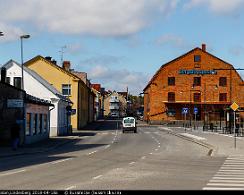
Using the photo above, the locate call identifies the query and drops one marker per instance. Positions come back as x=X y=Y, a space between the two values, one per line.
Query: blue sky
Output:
x=122 y=43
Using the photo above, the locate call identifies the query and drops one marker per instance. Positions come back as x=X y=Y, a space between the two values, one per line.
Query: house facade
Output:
x=195 y=86
x=115 y=105
x=35 y=85
x=31 y=113
x=65 y=82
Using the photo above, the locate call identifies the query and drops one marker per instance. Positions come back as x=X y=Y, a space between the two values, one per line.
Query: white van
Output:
x=129 y=124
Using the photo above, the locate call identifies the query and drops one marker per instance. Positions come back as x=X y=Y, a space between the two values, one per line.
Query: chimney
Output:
x=204 y=47
x=49 y=58
x=54 y=62
x=3 y=75
x=66 y=65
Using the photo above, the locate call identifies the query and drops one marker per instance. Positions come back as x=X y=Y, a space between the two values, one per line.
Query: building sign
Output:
x=15 y=103
x=199 y=72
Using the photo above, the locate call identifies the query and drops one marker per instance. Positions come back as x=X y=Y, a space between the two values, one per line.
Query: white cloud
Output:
x=172 y=40
x=10 y=32
x=95 y=17
x=218 y=6
x=119 y=79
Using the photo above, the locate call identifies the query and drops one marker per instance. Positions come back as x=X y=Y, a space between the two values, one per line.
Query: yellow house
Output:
x=67 y=83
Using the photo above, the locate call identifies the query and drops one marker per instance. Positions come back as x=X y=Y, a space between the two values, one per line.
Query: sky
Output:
x=121 y=43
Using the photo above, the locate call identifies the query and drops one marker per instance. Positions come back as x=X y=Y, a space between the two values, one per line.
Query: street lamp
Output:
x=22 y=63
x=1 y=34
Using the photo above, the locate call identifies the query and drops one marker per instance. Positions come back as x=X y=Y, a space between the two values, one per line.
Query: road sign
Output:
x=184 y=110
x=234 y=106
x=195 y=110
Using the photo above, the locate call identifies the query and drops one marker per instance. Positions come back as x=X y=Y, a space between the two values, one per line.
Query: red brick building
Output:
x=193 y=80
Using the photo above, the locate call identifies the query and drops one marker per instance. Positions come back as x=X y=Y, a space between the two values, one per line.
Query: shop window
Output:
x=171 y=81
x=34 y=130
x=171 y=112
x=197 y=97
x=197 y=81
x=197 y=58
x=17 y=82
x=223 y=97
x=28 y=124
x=45 y=123
x=223 y=81
x=66 y=89
x=171 y=97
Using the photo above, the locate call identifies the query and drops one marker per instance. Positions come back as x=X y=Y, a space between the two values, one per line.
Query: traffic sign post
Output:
x=185 y=111
x=195 y=113
x=234 y=107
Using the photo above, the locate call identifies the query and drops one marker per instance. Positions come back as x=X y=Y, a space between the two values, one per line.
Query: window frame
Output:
x=196 y=97
x=171 y=96
x=171 y=81
x=16 y=83
x=222 y=83
x=197 y=81
x=197 y=58
x=68 y=88
x=221 y=95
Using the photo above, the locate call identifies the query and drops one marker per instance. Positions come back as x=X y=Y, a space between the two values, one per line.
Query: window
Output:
x=171 y=97
x=28 y=124
x=223 y=97
x=17 y=82
x=197 y=58
x=8 y=80
x=197 y=81
x=40 y=122
x=44 y=123
x=34 y=124
x=171 y=112
x=197 y=65
x=223 y=81
x=197 y=97
x=66 y=89
x=171 y=81
x=38 y=130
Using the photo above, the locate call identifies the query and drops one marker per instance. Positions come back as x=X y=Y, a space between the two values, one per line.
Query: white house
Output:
x=36 y=86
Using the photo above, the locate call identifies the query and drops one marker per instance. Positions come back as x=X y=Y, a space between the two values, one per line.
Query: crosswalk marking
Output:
x=230 y=176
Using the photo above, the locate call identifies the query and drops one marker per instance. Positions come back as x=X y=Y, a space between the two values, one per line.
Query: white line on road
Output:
x=92 y=152
x=229 y=177
x=97 y=177
x=214 y=188
x=226 y=184
x=60 y=161
x=14 y=172
x=132 y=163
x=225 y=181
x=143 y=157
x=71 y=187
x=106 y=147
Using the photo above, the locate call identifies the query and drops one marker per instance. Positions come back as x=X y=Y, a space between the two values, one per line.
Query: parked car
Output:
x=129 y=124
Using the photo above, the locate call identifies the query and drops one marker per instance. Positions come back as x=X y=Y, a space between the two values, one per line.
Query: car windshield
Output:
x=129 y=120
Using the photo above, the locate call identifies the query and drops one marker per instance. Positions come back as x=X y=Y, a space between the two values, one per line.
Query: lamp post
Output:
x=1 y=34
x=22 y=63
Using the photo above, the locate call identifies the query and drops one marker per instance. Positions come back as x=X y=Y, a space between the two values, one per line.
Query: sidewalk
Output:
x=222 y=144
x=49 y=144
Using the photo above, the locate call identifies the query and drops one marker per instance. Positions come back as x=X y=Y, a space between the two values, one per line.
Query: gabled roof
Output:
x=180 y=57
x=50 y=63
x=36 y=76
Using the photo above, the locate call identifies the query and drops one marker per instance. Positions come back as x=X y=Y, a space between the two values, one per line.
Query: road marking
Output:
x=132 y=163
x=14 y=172
x=60 y=161
x=214 y=188
x=229 y=177
x=97 y=177
x=71 y=187
x=92 y=152
x=106 y=147
x=151 y=153
x=226 y=184
x=143 y=157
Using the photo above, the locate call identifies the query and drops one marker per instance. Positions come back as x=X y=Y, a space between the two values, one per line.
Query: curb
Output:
x=212 y=149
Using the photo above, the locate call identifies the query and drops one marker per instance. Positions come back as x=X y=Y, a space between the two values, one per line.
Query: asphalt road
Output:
x=106 y=158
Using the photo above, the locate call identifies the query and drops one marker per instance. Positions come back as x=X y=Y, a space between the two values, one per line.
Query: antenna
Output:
x=62 y=54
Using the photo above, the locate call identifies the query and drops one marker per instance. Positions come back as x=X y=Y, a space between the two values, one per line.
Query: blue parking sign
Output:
x=195 y=110
x=184 y=110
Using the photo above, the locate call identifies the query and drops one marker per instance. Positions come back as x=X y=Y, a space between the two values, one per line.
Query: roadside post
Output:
x=185 y=111
x=234 y=107
x=195 y=113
